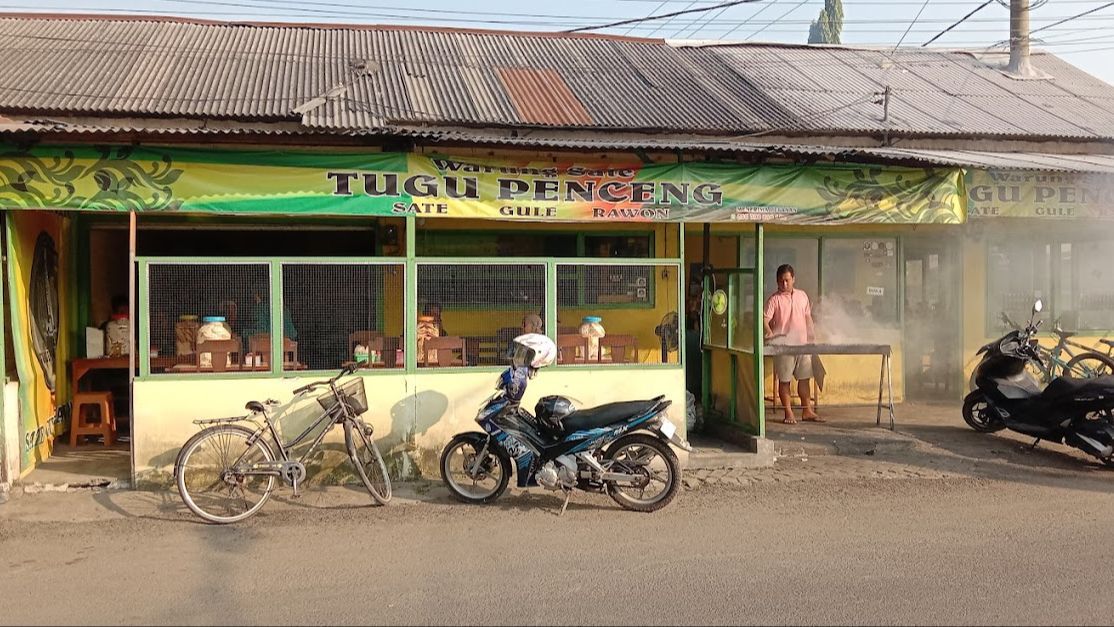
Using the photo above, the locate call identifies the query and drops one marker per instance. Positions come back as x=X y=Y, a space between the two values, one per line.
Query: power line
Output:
x=698 y=28
x=658 y=17
x=564 y=22
x=656 y=9
x=1074 y=17
x=661 y=25
x=911 y=25
x=961 y=20
x=783 y=15
x=756 y=14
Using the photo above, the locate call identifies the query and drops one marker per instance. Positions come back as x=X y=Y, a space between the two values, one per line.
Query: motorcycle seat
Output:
x=1067 y=386
x=608 y=414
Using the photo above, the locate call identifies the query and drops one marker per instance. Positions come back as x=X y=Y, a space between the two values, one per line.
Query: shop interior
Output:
x=203 y=304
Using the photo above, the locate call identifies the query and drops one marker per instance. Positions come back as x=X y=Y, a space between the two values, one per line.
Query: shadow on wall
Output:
x=411 y=417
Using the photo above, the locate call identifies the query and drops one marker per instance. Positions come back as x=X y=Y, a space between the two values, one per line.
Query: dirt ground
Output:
x=931 y=523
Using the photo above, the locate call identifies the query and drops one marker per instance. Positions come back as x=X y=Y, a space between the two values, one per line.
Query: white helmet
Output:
x=534 y=350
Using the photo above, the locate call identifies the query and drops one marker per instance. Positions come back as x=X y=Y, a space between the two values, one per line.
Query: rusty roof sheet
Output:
x=336 y=79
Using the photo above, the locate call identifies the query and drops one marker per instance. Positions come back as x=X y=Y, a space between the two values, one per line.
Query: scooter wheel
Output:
x=978 y=415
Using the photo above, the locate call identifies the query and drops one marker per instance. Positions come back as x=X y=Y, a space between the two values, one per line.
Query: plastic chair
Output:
x=79 y=423
x=440 y=351
x=571 y=348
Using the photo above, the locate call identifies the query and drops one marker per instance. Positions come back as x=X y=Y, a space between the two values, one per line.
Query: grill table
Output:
x=885 y=376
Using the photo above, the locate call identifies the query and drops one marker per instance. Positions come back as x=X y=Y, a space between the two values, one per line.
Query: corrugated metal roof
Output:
x=542 y=97
x=339 y=79
x=585 y=140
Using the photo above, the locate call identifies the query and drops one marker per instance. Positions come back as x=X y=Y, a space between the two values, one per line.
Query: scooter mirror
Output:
x=1038 y=306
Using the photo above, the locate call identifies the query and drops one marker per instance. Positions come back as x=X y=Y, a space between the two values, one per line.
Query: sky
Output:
x=1087 y=42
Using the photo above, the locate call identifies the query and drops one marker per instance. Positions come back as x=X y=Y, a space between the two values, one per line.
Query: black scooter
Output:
x=1005 y=395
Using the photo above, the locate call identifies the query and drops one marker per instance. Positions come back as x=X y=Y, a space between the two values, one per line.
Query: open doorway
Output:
x=99 y=297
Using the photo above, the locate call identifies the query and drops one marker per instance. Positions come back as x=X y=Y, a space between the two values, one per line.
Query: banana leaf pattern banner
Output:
x=399 y=184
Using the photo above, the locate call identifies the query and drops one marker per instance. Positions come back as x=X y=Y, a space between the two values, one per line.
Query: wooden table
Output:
x=83 y=366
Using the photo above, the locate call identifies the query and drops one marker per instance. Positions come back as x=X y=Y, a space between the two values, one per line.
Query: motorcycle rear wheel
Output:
x=635 y=454
x=977 y=415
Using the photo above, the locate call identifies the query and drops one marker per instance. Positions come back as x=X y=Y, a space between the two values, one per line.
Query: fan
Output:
x=669 y=333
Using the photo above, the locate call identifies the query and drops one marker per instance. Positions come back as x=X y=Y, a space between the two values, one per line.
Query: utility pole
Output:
x=1019 y=39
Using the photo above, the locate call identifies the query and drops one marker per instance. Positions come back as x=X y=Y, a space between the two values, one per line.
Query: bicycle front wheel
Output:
x=368 y=460
x=215 y=478
x=1089 y=366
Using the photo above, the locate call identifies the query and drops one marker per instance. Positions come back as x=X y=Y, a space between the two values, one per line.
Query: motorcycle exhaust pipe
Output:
x=1089 y=445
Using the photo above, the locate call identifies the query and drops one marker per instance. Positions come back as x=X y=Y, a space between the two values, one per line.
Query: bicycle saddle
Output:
x=255 y=406
x=1107 y=342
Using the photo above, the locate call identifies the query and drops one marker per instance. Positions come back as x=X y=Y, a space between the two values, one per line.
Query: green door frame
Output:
x=755 y=270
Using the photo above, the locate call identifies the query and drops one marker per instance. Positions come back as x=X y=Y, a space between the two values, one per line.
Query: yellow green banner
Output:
x=37 y=295
x=1022 y=194
x=400 y=184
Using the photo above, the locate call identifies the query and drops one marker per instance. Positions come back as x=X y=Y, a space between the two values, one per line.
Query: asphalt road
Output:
x=957 y=550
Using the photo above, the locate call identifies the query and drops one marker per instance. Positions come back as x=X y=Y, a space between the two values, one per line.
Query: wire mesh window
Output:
x=616 y=314
x=200 y=315
x=336 y=314
x=469 y=313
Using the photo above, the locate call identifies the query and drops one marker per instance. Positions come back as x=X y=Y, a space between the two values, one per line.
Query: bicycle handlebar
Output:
x=347 y=370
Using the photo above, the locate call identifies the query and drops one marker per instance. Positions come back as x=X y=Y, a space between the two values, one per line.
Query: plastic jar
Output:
x=213 y=328
x=185 y=334
x=116 y=341
x=591 y=327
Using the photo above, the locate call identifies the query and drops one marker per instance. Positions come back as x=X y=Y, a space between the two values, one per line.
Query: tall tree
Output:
x=828 y=26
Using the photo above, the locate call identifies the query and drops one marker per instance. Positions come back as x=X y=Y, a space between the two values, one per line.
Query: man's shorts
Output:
x=789 y=367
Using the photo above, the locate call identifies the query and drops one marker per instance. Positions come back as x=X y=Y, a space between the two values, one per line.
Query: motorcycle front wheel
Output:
x=655 y=465
x=467 y=481
x=977 y=415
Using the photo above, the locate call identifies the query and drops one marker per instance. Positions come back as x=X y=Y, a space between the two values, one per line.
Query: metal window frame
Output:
x=276 y=313
x=410 y=263
x=144 y=283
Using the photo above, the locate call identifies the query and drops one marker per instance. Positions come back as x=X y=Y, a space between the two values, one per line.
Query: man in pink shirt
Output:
x=788 y=320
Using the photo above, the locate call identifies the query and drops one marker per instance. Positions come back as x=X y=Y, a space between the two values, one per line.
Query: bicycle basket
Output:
x=353 y=394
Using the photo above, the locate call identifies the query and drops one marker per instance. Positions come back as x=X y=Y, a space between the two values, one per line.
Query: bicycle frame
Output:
x=338 y=414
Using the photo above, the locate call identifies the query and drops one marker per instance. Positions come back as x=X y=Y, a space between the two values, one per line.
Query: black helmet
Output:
x=551 y=410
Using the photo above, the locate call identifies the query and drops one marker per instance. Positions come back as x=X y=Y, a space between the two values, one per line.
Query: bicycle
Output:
x=226 y=472
x=1085 y=365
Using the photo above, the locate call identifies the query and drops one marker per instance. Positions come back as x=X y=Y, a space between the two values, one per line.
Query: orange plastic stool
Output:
x=80 y=426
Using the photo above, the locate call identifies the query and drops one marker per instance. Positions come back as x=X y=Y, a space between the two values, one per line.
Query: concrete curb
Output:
x=763 y=450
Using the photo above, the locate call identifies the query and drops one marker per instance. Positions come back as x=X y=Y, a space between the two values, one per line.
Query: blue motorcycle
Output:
x=618 y=448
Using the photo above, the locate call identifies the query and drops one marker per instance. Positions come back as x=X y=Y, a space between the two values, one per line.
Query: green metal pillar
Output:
x=410 y=311
x=732 y=295
x=277 y=323
x=705 y=327
x=759 y=330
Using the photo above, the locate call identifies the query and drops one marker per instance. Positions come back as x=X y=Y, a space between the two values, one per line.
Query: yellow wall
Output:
x=414 y=416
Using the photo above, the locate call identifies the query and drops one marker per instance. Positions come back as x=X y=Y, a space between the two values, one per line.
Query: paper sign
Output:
x=94 y=342
x=875 y=291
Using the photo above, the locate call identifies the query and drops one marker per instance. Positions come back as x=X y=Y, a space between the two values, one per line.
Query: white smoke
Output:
x=842 y=320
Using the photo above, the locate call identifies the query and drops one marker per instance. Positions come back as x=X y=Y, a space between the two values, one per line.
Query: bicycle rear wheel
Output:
x=1089 y=366
x=368 y=460
x=213 y=474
